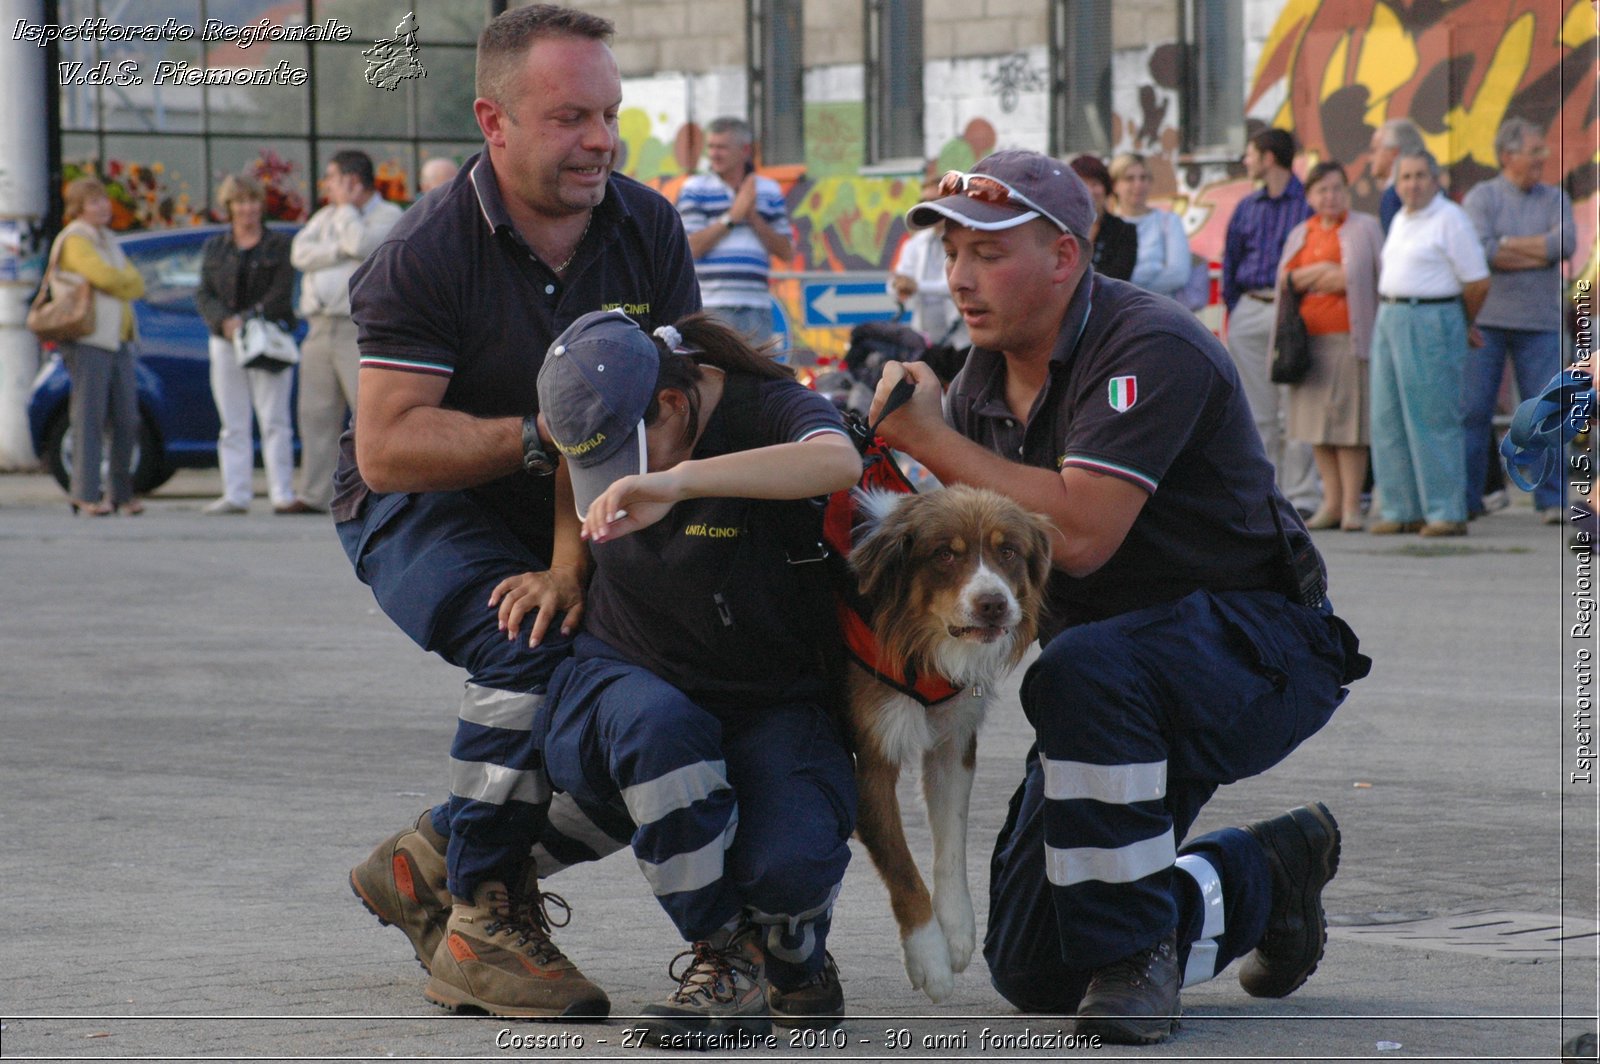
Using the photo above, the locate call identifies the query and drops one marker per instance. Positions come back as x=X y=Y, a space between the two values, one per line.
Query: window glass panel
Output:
x=444 y=97
x=1215 y=117
x=151 y=92
x=1084 y=116
x=368 y=20
x=275 y=108
x=778 y=60
x=897 y=86
x=80 y=104
x=450 y=21
x=283 y=167
x=348 y=106
x=155 y=181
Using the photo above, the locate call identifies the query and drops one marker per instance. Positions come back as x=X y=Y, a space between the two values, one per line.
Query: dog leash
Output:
x=1544 y=424
x=898 y=396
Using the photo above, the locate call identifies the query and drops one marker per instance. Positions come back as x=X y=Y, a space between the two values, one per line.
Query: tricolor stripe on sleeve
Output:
x=407 y=365
x=1100 y=465
x=820 y=430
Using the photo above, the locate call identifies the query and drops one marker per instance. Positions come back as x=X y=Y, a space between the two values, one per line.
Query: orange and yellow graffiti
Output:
x=1458 y=70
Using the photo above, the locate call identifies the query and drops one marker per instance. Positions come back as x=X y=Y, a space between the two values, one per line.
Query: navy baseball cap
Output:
x=596 y=382
x=1027 y=185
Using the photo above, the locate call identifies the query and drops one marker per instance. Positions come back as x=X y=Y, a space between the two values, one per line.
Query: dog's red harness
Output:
x=839 y=522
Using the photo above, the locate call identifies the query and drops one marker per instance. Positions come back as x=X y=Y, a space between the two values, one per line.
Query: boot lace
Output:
x=1135 y=970
x=527 y=918
x=711 y=973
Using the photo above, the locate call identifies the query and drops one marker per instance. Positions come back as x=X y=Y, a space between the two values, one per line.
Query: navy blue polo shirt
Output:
x=1138 y=389
x=456 y=292
x=706 y=598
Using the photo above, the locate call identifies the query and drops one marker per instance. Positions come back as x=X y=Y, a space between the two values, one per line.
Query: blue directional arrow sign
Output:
x=830 y=303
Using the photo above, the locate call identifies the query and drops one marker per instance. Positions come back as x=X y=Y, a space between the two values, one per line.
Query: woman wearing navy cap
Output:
x=696 y=692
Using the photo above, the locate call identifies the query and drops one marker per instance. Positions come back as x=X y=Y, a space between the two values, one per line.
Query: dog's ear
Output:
x=1038 y=549
x=880 y=558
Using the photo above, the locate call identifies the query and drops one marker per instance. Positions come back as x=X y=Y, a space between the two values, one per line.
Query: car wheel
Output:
x=149 y=470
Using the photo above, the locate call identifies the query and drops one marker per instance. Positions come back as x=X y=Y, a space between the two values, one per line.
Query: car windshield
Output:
x=171 y=272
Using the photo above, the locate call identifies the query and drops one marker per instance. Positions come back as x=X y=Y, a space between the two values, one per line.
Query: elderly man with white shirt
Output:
x=1431 y=286
x=327 y=251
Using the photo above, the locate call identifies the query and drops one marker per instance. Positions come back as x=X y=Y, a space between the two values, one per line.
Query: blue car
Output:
x=178 y=419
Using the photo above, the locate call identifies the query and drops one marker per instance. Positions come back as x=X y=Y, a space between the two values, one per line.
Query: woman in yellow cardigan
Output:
x=101 y=364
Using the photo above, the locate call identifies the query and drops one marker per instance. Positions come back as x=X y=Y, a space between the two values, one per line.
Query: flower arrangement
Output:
x=142 y=196
x=391 y=183
x=283 y=200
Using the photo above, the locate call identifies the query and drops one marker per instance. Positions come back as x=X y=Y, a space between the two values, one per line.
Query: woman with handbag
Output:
x=101 y=363
x=1330 y=261
x=245 y=273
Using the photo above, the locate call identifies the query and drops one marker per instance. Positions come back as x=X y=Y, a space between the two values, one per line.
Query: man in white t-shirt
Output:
x=737 y=223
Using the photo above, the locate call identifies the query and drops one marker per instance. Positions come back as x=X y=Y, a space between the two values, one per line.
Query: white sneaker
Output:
x=1496 y=500
x=223 y=506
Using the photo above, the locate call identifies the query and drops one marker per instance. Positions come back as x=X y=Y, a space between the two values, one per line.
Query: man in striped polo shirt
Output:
x=737 y=223
x=1188 y=644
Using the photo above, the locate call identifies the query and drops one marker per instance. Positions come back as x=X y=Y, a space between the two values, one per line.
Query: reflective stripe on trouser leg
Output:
x=793 y=937
x=575 y=833
x=498 y=788
x=1202 y=963
x=1067 y=781
x=621 y=737
x=652 y=801
x=1109 y=843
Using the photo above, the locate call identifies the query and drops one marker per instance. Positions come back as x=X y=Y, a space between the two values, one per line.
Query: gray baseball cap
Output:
x=596 y=382
x=1039 y=187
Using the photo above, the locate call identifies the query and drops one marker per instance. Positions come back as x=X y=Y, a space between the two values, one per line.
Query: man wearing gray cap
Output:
x=1192 y=644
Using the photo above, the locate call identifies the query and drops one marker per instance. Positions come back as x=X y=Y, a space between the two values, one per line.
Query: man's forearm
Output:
x=702 y=241
x=432 y=449
x=1520 y=253
x=775 y=243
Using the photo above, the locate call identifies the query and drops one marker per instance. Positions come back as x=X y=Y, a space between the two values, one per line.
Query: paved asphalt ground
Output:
x=204 y=722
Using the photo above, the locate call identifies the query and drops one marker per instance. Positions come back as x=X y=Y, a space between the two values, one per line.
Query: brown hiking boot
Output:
x=497 y=956
x=403 y=883
x=722 y=993
x=816 y=1003
x=1134 y=1001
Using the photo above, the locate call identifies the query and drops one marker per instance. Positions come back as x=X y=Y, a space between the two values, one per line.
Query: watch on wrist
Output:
x=727 y=220
x=536 y=461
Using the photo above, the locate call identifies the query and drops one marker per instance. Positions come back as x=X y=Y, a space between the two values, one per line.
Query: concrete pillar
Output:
x=24 y=201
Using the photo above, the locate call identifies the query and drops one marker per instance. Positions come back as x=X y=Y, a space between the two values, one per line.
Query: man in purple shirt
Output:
x=1256 y=233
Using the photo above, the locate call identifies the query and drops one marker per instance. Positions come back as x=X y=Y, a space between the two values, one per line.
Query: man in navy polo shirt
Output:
x=1191 y=645
x=445 y=498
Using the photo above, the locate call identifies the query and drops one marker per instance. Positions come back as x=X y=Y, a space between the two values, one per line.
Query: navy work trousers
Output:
x=1139 y=718
x=739 y=815
x=431 y=560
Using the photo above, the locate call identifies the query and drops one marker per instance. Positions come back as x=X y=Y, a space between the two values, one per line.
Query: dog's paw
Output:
x=928 y=962
x=960 y=928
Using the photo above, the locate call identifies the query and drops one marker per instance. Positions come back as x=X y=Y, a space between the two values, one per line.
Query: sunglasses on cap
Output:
x=986 y=188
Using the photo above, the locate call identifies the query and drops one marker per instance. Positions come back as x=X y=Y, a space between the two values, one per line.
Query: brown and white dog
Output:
x=955 y=579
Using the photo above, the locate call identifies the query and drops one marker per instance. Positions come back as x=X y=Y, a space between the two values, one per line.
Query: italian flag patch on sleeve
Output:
x=1122 y=393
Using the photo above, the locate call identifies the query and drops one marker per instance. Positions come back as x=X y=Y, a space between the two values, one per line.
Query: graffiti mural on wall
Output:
x=1458 y=70
x=1340 y=69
